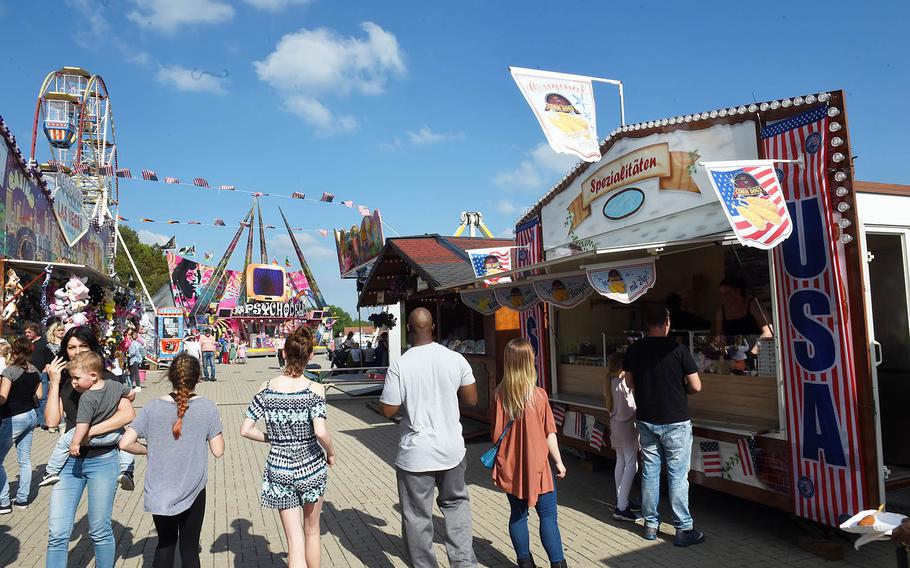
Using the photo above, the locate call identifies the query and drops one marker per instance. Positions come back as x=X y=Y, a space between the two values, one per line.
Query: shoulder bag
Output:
x=489 y=457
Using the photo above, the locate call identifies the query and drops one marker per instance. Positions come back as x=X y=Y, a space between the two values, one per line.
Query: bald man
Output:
x=425 y=384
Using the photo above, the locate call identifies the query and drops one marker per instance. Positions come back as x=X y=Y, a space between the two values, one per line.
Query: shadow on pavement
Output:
x=249 y=549
x=9 y=547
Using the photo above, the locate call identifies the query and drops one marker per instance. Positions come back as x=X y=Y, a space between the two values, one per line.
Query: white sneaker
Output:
x=137 y=389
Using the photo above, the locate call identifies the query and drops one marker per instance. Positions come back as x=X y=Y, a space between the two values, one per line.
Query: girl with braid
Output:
x=179 y=429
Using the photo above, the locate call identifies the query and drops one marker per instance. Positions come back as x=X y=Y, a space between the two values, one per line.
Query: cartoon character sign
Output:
x=520 y=297
x=565 y=291
x=623 y=281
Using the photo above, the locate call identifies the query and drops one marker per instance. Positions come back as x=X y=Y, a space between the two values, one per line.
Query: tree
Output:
x=149 y=260
x=343 y=320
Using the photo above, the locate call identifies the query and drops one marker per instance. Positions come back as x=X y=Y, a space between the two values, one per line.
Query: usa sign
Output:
x=816 y=340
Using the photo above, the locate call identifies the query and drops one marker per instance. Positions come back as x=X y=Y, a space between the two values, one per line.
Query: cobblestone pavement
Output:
x=361 y=520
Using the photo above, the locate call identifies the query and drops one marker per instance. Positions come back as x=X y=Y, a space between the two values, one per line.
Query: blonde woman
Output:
x=54 y=336
x=523 y=465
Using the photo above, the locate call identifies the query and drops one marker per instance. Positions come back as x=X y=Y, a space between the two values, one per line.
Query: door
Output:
x=888 y=287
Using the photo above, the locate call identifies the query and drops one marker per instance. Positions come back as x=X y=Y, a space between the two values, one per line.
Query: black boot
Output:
x=560 y=564
x=526 y=562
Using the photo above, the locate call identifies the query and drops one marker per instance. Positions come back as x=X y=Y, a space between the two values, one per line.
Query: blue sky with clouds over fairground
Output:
x=408 y=106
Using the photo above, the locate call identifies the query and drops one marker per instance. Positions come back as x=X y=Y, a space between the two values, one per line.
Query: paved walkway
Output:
x=361 y=520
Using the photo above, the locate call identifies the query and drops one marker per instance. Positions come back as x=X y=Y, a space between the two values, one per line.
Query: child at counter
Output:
x=623 y=437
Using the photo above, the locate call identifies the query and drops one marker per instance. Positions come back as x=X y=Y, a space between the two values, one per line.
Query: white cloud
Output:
x=308 y=66
x=426 y=136
x=166 y=16
x=507 y=233
x=151 y=237
x=542 y=166
x=274 y=5
x=190 y=80
x=313 y=246
x=506 y=207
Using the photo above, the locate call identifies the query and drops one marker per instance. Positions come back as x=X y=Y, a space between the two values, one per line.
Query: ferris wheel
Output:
x=75 y=114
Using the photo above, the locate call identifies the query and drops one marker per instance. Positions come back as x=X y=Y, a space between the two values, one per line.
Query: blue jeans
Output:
x=671 y=443
x=549 y=528
x=208 y=362
x=45 y=385
x=22 y=429
x=99 y=475
x=61 y=453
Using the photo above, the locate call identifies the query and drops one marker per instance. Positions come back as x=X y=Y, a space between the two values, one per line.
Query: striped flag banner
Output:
x=753 y=201
x=349 y=204
x=298 y=195
x=488 y=262
x=258 y=194
x=121 y=218
x=149 y=175
x=747 y=454
x=168 y=179
x=146 y=220
x=365 y=211
x=597 y=435
x=173 y=222
x=327 y=197
x=710 y=459
x=200 y=182
x=819 y=374
x=324 y=232
x=107 y=170
x=218 y=222
x=124 y=173
x=529 y=250
x=559 y=413
x=80 y=168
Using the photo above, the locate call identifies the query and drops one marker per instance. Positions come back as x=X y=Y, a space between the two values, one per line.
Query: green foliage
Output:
x=344 y=319
x=149 y=260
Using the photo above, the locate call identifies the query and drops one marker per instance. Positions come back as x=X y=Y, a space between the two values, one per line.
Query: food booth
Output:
x=411 y=270
x=799 y=426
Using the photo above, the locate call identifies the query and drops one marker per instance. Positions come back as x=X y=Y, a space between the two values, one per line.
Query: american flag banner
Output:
x=298 y=195
x=193 y=222
x=348 y=203
x=121 y=218
x=149 y=175
x=200 y=182
x=559 y=413
x=168 y=179
x=226 y=187
x=258 y=194
x=487 y=262
x=597 y=435
x=575 y=425
x=107 y=170
x=173 y=222
x=327 y=197
x=816 y=341
x=529 y=241
x=365 y=211
x=80 y=168
x=218 y=222
x=753 y=201
x=124 y=173
x=710 y=459
x=748 y=452
x=146 y=220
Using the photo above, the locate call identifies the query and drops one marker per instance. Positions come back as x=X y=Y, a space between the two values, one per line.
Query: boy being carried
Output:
x=97 y=403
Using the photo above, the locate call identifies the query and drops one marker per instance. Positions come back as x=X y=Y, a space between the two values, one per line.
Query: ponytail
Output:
x=184 y=374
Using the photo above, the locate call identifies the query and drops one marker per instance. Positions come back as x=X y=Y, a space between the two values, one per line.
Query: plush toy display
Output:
x=13 y=287
x=70 y=301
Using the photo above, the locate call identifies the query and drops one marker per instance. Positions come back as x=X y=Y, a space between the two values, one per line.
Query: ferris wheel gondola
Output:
x=76 y=117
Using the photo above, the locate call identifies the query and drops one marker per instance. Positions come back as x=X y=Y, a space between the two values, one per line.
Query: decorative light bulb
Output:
x=797 y=101
x=838 y=157
x=741 y=110
x=840 y=176
x=834 y=127
x=837 y=141
x=841 y=191
x=843 y=206
x=672 y=120
x=833 y=111
x=786 y=103
x=822 y=97
x=705 y=115
x=713 y=114
x=664 y=122
x=846 y=239
x=688 y=118
x=775 y=105
x=763 y=107
x=810 y=99
x=753 y=107
x=844 y=222
x=722 y=112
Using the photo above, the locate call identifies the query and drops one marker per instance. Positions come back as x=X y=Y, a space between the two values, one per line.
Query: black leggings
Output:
x=184 y=527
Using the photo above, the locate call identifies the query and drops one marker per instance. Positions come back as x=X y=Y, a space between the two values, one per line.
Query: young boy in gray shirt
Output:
x=98 y=401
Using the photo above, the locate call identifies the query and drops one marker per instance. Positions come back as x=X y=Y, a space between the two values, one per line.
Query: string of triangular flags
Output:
x=216 y=223
x=202 y=183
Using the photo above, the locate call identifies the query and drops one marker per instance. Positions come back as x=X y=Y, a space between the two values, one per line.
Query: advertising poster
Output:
x=359 y=245
x=520 y=297
x=489 y=262
x=483 y=301
x=22 y=213
x=67 y=206
x=652 y=185
x=564 y=106
x=188 y=278
x=564 y=292
x=623 y=281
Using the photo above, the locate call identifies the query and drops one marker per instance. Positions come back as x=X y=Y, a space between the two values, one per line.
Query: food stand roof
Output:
x=439 y=261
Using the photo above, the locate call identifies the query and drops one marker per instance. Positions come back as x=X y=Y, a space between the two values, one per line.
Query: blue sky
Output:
x=408 y=106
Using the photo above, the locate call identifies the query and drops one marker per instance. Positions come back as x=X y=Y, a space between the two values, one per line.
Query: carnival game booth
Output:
x=413 y=270
x=799 y=426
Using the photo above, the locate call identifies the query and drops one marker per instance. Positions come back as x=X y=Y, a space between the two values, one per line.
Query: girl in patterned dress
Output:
x=293 y=407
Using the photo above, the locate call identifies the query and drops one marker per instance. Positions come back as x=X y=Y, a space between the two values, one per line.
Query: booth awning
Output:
x=63 y=269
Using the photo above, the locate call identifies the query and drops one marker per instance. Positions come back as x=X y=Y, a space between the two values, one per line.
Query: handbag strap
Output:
x=503 y=435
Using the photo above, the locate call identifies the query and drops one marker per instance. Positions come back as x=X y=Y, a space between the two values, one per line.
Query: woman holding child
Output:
x=95 y=468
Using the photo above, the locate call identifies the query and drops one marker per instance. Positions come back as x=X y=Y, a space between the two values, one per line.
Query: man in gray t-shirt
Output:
x=425 y=384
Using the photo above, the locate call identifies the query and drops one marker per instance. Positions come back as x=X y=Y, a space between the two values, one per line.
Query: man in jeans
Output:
x=41 y=358
x=207 y=344
x=426 y=384
x=662 y=373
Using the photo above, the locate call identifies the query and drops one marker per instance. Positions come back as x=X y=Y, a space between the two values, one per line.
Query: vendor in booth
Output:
x=740 y=314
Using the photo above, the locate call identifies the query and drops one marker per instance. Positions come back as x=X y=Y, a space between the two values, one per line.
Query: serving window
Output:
x=720 y=298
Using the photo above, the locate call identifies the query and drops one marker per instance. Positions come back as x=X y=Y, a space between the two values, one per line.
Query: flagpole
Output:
x=622 y=103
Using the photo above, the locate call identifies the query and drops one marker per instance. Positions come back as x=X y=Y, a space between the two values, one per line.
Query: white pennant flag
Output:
x=564 y=106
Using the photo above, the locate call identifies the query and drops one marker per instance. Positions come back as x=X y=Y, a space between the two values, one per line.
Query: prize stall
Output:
x=411 y=271
x=763 y=265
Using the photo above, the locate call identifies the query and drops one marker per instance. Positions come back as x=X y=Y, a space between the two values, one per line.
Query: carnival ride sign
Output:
x=566 y=291
x=359 y=246
x=623 y=281
x=518 y=297
x=296 y=310
x=652 y=183
x=68 y=207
